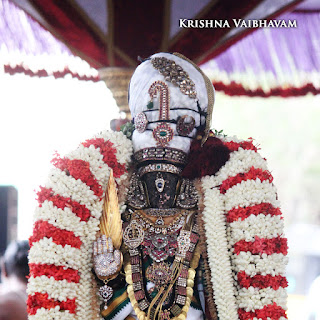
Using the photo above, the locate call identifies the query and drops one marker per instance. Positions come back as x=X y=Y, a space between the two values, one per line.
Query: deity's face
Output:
x=165 y=114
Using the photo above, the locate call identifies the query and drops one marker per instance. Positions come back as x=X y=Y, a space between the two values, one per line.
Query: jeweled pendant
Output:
x=185 y=125
x=163 y=134
x=159 y=273
x=133 y=235
x=159 y=182
x=150 y=105
x=159 y=222
x=105 y=293
x=140 y=122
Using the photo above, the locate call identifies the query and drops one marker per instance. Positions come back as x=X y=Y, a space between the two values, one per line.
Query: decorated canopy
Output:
x=272 y=61
x=26 y=47
x=110 y=35
x=115 y=33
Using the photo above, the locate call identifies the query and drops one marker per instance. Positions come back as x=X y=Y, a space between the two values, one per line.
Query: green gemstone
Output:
x=163 y=133
x=150 y=105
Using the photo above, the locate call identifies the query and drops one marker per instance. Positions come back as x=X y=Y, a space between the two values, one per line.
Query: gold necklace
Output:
x=159 y=225
x=180 y=277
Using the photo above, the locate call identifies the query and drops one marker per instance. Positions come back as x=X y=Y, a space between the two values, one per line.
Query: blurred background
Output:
x=64 y=71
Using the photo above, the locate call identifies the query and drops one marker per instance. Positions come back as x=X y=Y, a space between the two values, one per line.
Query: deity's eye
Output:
x=185 y=125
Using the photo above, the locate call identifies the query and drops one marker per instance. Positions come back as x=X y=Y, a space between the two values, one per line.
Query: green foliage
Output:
x=127 y=129
x=219 y=133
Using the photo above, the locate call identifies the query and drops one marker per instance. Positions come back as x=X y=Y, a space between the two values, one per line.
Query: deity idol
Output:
x=190 y=227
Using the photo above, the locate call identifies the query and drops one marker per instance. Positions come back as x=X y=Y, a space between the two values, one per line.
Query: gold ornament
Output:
x=110 y=221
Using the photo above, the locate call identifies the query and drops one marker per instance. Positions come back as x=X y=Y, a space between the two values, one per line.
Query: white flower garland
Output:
x=45 y=251
x=251 y=192
x=51 y=314
x=64 y=219
x=261 y=226
x=274 y=264
x=252 y=298
x=68 y=186
x=240 y=162
x=60 y=290
x=221 y=235
x=215 y=226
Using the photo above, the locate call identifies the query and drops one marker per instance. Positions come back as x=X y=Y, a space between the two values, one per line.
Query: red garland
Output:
x=79 y=169
x=41 y=300
x=262 y=282
x=57 y=272
x=43 y=229
x=252 y=174
x=271 y=311
x=261 y=245
x=243 y=213
x=108 y=151
x=80 y=210
x=246 y=145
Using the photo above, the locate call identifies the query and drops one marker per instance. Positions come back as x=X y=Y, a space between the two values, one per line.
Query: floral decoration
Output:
x=61 y=284
x=242 y=212
x=241 y=216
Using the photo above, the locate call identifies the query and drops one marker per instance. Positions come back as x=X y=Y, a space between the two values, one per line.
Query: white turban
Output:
x=144 y=76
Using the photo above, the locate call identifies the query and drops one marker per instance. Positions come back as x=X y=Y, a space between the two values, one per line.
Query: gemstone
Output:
x=141 y=122
x=150 y=105
x=163 y=133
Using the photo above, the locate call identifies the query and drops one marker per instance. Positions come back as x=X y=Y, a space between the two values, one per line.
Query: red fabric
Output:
x=261 y=245
x=306 y=11
x=43 y=73
x=73 y=29
x=138 y=27
x=41 y=300
x=206 y=160
x=271 y=311
x=232 y=89
x=252 y=174
x=108 y=151
x=43 y=229
x=262 y=282
x=79 y=169
x=57 y=272
x=243 y=213
x=236 y=89
x=58 y=201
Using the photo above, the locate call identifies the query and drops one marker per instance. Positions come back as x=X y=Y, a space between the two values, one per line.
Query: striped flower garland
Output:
x=61 y=284
x=242 y=214
x=242 y=220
